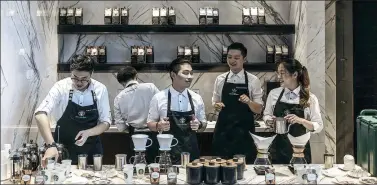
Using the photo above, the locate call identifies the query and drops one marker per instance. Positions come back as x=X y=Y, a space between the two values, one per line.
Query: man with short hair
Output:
x=131 y=107
x=179 y=111
x=83 y=104
x=237 y=95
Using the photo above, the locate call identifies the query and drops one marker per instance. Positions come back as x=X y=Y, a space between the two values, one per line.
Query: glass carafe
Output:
x=298 y=156
x=262 y=158
x=165 y=161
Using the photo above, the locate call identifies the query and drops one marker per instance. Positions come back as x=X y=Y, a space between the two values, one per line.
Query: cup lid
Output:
x=194 y=165
x=229 y=164
x=211 y=164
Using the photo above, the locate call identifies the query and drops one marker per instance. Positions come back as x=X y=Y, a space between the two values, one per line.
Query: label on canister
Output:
x=26 y=178
x=172 y=175
x=155 y=175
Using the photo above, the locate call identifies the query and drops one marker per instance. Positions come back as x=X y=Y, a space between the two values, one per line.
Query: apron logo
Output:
x=182 y=120
x=234 y=92
x=81 y=113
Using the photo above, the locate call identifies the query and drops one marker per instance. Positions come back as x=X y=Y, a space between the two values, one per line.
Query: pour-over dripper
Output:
x=165 y=141
x=140 y=141
x=262 y=144
x=298 y=147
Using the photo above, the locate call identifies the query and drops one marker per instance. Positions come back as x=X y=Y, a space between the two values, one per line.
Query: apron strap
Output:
x=94 y=97
x=278 y=100
x=70 y=94
x=190 y=101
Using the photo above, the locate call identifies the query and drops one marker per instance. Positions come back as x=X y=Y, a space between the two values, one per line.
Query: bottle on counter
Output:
x=270 y=176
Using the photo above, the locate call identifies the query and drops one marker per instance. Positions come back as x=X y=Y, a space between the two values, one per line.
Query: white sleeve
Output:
x=216 y=94
x=118 y=118
x=104 y=107
x=315 y=115
x=51 y=100
x=201 y=114
x=256 y=91
x=268 y=112
x=153 y=114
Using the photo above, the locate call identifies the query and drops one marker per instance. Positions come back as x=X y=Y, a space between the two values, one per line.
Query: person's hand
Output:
x=292 y=118
x=218 y=106
x=244 y=99
x=194 y=123
x=81 y=137
x=271 y=121
x=164 y=124
x=50 y=152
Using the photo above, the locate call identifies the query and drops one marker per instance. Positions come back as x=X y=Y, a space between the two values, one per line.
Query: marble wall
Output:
x=330 y=90
x=28 y=64
x=309 y=49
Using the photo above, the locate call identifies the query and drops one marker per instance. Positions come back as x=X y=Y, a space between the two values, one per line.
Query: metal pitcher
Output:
x=281 y=126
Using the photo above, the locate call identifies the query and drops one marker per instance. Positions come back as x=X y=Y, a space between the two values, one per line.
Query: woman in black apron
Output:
x=234 y=124
x=77 y=118
x=181 y=130
x=292 y=76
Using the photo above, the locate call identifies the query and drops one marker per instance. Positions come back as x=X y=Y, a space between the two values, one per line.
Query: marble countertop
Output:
x=283 y=176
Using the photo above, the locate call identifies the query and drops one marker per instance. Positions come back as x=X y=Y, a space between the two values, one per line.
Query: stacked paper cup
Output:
x=349 y=162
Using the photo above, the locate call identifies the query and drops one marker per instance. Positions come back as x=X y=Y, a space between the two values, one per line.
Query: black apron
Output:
x=151 y=151
x=281 y=149
x=75 y=119
x=234 y=124
x=181 y=130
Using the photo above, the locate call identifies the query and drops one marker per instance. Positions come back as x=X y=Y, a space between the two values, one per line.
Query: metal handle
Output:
x=175 y=143
x=155 y=159
x=131 y=159
x=150 y=143
x=289 y=126
x=368 y=112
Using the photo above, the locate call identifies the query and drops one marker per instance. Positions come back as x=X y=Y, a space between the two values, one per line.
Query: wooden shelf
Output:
x=162 y=67
x=258 y=29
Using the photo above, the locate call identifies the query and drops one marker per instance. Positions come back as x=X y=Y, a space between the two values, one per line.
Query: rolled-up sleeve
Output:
x=153 y=113
x=201 y=114
x=269 y=108
x=216 y=93
x=104 y=107
x=50 y=102
x=315 y=115
x=118 y=118
x=256 y=91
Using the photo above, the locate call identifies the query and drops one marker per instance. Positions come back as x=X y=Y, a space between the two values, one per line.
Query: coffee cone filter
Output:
x=262 y=143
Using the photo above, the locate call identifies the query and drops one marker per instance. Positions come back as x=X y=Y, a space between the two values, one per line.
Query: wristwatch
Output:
x=53 y=144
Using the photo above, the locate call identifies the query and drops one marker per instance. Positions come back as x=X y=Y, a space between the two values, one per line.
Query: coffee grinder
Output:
x=298 y=145
x=165 y=140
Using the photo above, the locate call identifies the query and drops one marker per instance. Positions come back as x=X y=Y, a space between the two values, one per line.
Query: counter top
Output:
x=210 y=127
x=283 y=176
x=113 y=129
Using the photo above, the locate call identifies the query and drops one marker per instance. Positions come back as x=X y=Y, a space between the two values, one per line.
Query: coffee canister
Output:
x=240 y=167
x=212 y=173
x=219 y=160
x=229 y=173
x=194 y=172
x=201 y=160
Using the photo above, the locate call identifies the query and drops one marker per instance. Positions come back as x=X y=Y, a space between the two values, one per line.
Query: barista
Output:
x=179 y=111
x=297 y=105
x=237 y=95
x=131 y=107
x=81 y=106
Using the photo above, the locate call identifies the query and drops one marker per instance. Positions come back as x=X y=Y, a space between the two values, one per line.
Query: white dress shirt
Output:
x=56 y=101
x=312 y=113
x=255 y=88
x=131 y=105
x=179 y=102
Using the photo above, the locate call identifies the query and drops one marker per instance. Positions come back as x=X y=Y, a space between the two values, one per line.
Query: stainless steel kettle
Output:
x=281 y=126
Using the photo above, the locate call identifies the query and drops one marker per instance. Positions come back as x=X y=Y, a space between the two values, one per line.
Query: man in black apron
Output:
x=82 y=121
x=131 y=107
x=236 y=119
x=182 y=124
x=281 y=148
